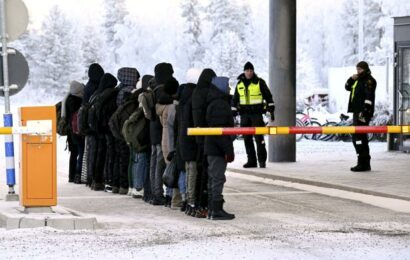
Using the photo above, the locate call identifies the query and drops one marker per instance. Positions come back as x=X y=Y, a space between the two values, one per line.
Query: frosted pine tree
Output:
x=193 y=31
x=114 y=18
x=59 y=57
x=91 y=46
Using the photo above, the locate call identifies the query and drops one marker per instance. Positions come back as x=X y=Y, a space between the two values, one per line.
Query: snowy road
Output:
x=272 y=223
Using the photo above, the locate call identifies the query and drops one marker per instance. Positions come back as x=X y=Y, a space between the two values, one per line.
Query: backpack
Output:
x=122 y=113
x=74 y=123
x=94 y=112
x=147 y=100
x=62 y=124
x=83 y=117
x=135 y=131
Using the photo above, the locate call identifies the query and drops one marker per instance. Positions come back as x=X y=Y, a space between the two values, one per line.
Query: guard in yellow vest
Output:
x=362 y=88
x=251 y=100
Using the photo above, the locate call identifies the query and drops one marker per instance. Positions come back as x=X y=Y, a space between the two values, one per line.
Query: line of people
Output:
x=123 y=133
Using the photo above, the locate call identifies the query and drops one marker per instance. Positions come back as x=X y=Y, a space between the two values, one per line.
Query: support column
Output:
x=282 y=76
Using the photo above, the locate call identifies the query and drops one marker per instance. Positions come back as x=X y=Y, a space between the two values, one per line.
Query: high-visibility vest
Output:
x=251 y=96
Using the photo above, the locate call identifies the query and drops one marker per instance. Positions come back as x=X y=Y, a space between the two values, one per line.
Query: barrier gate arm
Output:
x=285 y=130
x=33 y=127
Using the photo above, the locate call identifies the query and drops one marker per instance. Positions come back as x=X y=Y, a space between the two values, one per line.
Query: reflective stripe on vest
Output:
x=253 y=96
x=353 y=89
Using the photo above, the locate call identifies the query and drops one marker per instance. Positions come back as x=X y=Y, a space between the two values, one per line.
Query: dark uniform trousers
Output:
x=254 y=120
x=361 y=141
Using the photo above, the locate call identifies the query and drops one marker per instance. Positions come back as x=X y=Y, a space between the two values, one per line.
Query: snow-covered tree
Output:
x=193 y=31
x=59 y=54
x=91 y=47
x=114 y=19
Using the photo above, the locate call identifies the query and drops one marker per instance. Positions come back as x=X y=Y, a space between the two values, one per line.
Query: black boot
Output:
x=184 y=206
x=218 y=213
x=77 y=178
x=262 y=164
x=250 y=164
x=168 y=200
x=363 y=165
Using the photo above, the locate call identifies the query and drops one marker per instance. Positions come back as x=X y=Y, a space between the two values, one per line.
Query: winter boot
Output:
x=168 y=200
x=115 y=190
x=250 y=164
x=123 y=191
x=201 y=212
x=363 y=165
x=99 y=186
x=184 y=206
x=158 y=201
x=77 y=178
x=219 y=213
x=262 y=165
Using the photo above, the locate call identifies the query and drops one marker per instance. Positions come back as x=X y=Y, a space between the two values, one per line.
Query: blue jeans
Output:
x=182 y=182
x=140 y=171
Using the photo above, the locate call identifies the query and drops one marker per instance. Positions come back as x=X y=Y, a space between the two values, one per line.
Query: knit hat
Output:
x=248 y=66
x=363 y=65
x=76 y=89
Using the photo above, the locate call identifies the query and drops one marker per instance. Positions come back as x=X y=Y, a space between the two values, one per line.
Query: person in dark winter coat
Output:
x=95 y=72
x=362 y=88
x=163 y=72
x=71 y=105
x=218 y=149
x=107 y=84
x=187 y=147
x=199 y=105
x=250 y=98
x=128 y=78
x=141 y=155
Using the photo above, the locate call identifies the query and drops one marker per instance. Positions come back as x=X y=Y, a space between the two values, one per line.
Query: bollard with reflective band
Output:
x=284 y=130
x=9 y=148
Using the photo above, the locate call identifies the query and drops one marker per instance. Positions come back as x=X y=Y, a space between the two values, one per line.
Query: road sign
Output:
x=16 y=19
x=18 y=71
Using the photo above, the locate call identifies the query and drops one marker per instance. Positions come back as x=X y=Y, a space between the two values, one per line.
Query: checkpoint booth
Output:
x=401 y=82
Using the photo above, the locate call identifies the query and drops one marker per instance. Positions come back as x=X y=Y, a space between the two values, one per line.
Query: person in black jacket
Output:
x=199 y=105
x=362 y=88
x=218 y=149
x=187 y=147
x=71 y=105
x=95 y=72
x=107 y=85
x=250 y=98
x=163 y=72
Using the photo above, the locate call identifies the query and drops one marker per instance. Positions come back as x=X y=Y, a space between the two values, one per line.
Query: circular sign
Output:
x=16 y=19
x=18 y=72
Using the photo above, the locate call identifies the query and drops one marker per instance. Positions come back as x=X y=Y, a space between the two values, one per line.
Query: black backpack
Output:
x=62 y=124
x=83 y=117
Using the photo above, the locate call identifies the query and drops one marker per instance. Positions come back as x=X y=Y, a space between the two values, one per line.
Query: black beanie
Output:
x=248 y=66
x=363 y=65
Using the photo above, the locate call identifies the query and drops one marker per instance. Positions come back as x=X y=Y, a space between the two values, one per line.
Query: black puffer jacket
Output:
x=199 y=101
x=186 y=144
x=364 y=92
x=107 y=95
x=95 y=72
x=218 y=114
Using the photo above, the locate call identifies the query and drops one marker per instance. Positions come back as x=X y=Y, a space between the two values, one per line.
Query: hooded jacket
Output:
x=163 y=72
x=199 y=101
x=128 y=78
x=218 y=114
x=187 y=147
x=95 y=72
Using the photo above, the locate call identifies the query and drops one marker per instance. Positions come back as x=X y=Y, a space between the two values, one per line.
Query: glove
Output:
x=366 y=111
x=361 y=117
x=171 y=156
x=235 y=112
x=229 y=158
x=271 y=110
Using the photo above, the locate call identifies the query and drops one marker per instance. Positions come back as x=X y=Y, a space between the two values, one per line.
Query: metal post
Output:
x=361 y=33
x=7 y=117
x=282 y=75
